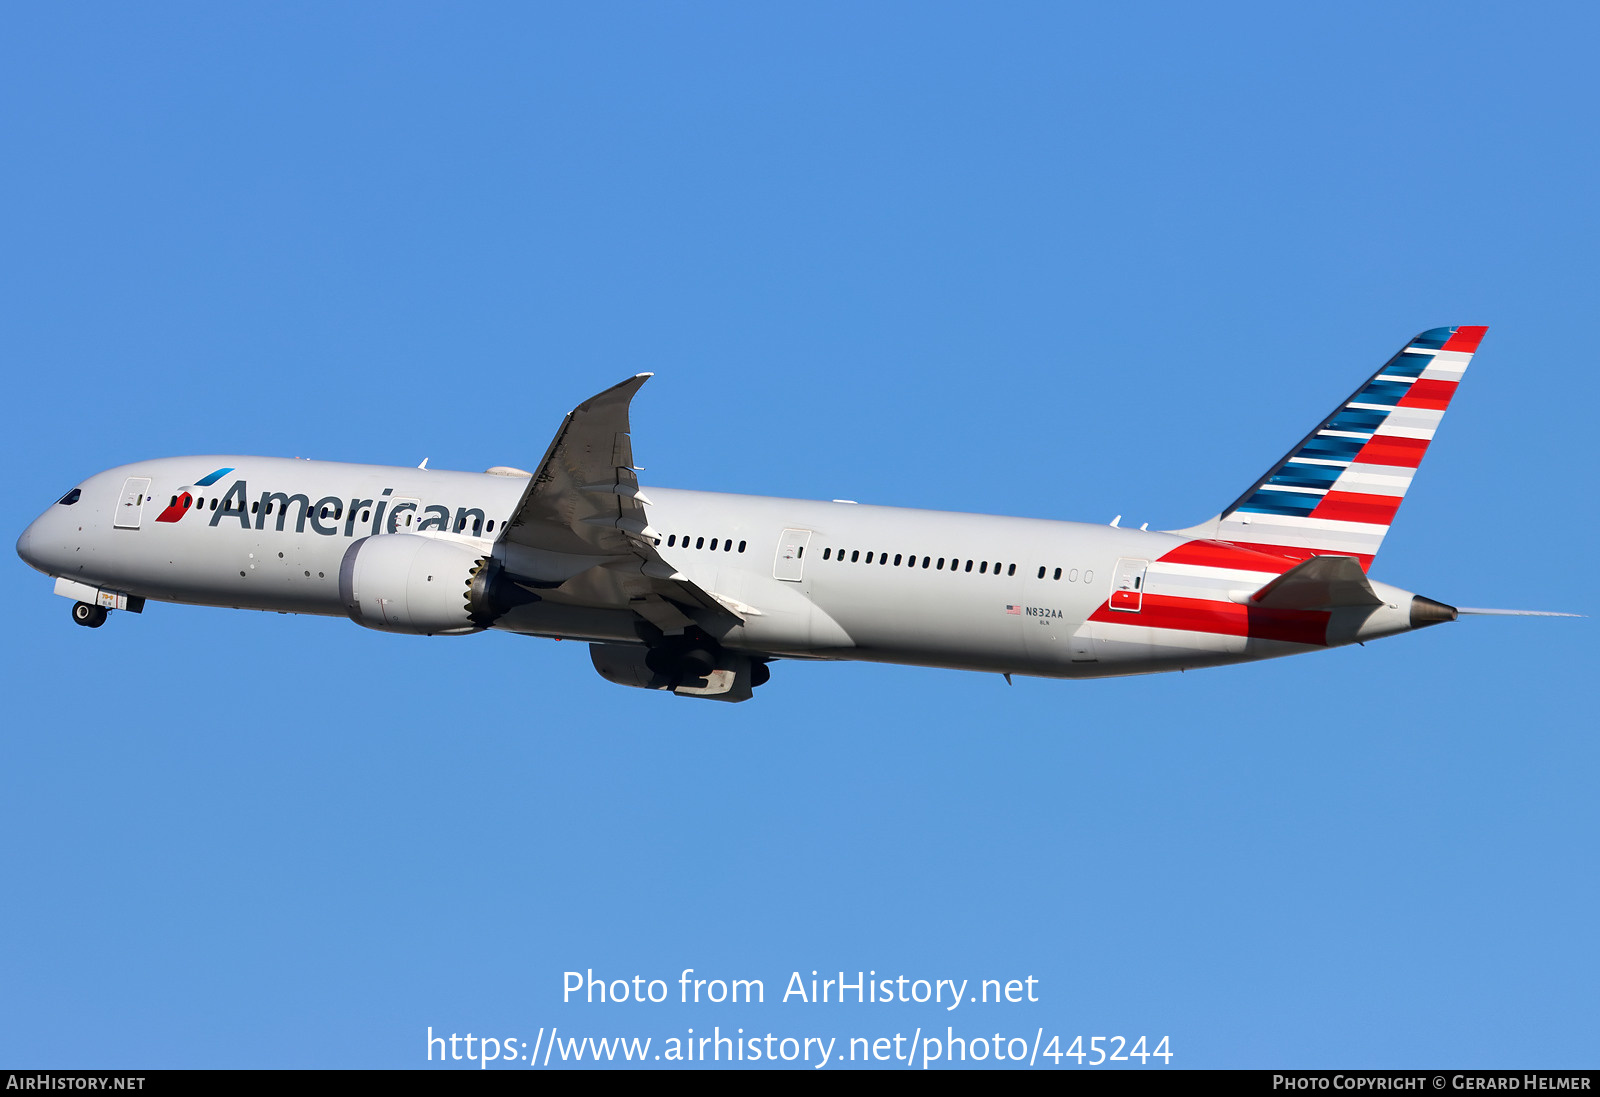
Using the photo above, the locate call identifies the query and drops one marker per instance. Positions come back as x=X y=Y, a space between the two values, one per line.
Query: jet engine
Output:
x=403 y=582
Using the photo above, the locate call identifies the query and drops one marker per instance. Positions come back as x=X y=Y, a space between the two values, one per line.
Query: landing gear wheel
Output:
x=88 y=616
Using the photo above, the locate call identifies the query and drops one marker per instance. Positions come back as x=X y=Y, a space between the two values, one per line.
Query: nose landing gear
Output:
x=88 y=616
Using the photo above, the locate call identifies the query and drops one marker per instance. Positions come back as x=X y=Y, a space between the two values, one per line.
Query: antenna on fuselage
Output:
x=424 y=464
x=1115 y=520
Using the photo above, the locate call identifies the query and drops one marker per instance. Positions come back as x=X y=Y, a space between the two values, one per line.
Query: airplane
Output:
x=696 y=593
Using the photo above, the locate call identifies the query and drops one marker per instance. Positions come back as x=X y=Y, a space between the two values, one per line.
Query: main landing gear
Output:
x=88 y=616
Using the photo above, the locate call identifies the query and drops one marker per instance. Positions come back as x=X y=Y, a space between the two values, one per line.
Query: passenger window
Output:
x=213 y=504
x=983 y=568
x=699 y=542
x=741 y=546
x=883 y=558
x=672 y=541
x=491 y=525
x=941 y=564
x=825 y=553
x=727 y=546
x=713 y=544
x=1041 y=573
x=897 y=559
x=969 y=566
x=869 y=557
x=855 y=556
x=926 y=560
x=1058 y=573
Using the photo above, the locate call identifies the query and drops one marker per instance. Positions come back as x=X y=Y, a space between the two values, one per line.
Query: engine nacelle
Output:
x=403 y=582
x=721 y=676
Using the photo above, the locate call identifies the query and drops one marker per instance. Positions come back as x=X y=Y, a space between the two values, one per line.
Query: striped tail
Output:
x=1338 y=490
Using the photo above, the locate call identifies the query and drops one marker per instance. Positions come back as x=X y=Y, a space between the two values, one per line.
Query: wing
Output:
x=580 y=534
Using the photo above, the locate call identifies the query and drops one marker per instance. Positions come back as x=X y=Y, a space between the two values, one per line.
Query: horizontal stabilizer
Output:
x=1479 y=612
x=1322 y=582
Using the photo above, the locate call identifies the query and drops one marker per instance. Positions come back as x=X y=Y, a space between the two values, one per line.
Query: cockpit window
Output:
x=69 y=498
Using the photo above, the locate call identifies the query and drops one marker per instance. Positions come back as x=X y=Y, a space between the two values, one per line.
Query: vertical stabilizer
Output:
x=1338 y=490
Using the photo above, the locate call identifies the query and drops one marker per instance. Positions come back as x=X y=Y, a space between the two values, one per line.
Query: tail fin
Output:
x=1337 y=491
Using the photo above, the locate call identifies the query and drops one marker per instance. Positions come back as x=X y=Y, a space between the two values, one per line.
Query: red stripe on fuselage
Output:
x=1432 y=394
x=1301 y=554
x=1349 y=506
x=1295 y=626
x=1224 y=554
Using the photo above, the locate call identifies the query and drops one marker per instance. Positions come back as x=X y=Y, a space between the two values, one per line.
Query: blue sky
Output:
x=1048 y=260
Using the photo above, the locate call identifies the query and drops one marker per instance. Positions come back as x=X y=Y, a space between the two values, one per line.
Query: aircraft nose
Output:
x=30 y=547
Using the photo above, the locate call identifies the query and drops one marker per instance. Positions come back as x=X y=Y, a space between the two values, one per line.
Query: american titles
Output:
x=325 y=516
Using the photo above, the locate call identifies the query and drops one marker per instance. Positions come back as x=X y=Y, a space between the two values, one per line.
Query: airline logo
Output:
x=1339 y=490
x=322 y=517
x=185 y=499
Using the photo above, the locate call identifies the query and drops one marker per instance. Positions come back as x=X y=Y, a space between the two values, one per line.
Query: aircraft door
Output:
x=402 y=515
x=130 y=506
x=790 y=563
x=1127 y=585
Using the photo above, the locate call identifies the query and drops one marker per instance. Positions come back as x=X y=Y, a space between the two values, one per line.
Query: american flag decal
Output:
x=1015 y=611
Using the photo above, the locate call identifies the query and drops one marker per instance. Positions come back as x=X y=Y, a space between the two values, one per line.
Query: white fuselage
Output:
x=811 y=579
